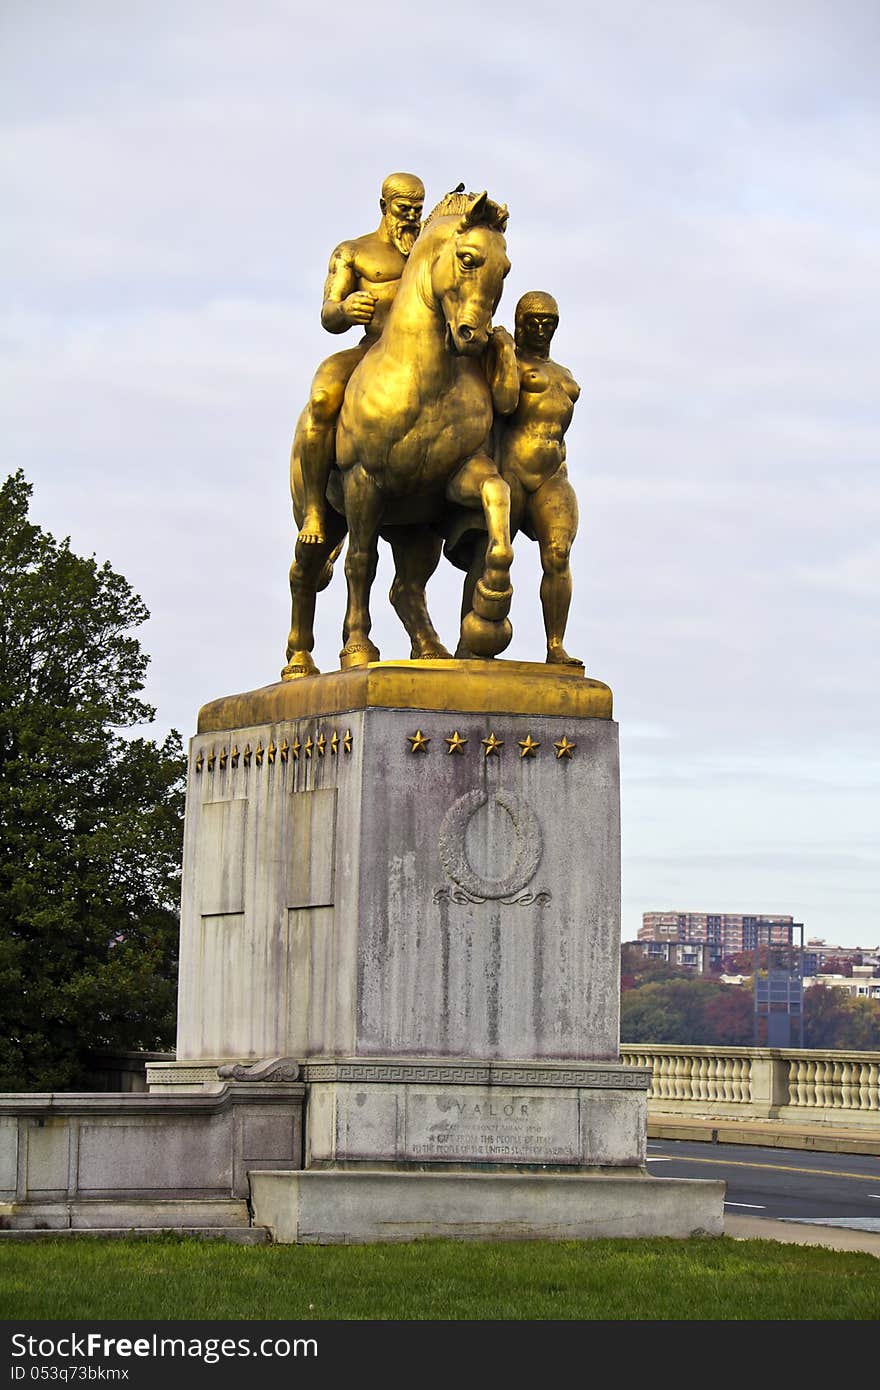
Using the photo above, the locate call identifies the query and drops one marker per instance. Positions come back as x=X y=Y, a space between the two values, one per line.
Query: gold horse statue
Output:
x=412 y=443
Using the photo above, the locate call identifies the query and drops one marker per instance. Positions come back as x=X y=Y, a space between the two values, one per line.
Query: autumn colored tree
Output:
x=833 y=1019
x=698 y=1011
x=729 y=1017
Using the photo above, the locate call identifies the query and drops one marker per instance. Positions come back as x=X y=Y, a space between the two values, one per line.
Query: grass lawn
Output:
x=171 y=1278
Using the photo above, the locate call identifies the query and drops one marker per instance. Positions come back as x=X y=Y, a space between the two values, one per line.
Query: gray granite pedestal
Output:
x=406 y=879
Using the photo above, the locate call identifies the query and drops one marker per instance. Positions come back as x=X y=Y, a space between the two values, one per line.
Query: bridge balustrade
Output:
x=798 y=1085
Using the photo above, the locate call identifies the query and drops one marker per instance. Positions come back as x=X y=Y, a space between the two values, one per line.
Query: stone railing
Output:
x=797 y=1085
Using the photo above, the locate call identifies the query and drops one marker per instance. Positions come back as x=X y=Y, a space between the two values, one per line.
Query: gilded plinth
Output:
x=480 y=687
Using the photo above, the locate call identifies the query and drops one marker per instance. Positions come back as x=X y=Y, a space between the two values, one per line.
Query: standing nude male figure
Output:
x=531 y=460
x=361 y=283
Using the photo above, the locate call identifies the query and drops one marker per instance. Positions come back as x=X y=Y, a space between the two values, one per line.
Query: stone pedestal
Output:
x=380 y=878
x=405 y=879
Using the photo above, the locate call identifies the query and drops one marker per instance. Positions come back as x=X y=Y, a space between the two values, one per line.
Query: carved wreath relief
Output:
x=474 y=887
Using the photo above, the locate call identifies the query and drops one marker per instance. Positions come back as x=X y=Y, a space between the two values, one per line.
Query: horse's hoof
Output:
x=430 y=651
x=358 y=654
x=300 y=664
x=483 y=637
x=492 y=604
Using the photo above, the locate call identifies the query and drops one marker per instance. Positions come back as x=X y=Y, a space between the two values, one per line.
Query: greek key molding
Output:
x=174 y=1076
x=420 y=1073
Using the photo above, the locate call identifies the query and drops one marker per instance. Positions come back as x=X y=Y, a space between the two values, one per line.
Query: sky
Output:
x=696 y=182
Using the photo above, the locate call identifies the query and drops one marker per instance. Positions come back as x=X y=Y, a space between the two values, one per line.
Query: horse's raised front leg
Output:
x=417 y=553
x=486 y=629
x=311 y=571
x=364 y=504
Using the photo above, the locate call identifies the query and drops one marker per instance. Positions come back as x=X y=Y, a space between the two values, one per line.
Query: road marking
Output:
x=875 y=1194
x=779 y=1168
x=752 y=1206
x=659 y=1158
x=846 y=1223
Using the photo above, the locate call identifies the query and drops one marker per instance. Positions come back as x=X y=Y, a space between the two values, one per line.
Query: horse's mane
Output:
x=457 y=202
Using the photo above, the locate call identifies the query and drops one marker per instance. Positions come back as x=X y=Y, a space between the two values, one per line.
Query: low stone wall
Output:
x=109 y=1159
x=801 y=1086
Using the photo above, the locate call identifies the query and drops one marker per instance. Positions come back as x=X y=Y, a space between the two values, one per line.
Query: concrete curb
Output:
x=764 y=1133
x=791 y=1233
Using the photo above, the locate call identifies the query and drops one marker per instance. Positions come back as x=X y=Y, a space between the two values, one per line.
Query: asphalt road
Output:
x=780 y=1184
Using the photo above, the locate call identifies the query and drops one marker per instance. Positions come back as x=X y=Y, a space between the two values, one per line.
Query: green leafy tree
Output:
x=90 y=818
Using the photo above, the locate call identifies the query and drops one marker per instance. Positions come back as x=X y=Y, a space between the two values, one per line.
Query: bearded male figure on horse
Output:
x=412 y=440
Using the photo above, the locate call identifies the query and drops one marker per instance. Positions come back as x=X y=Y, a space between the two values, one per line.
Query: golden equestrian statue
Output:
x=436 y=426
x=413 y=440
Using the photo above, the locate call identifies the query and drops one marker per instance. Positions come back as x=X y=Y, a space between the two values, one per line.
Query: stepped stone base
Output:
x=354 y=1208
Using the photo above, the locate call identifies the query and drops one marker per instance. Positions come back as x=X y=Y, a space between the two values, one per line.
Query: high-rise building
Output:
x=725 y=933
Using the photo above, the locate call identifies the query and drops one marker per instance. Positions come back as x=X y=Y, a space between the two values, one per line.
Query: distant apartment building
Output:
x=720 y=933
x=862 y=985
x=696 y=954
x=817 y=952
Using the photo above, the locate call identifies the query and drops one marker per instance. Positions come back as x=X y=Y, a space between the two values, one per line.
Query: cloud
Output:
x=698 y=187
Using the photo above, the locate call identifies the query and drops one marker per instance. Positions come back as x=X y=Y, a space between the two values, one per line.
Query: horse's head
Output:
x=467 y=276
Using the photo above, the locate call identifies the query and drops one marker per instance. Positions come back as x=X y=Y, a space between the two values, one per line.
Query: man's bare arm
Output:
x=502 y=371
x=344 y=304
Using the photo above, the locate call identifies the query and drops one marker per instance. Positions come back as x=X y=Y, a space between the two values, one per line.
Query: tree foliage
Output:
x=693 y=1011
x=90 y=818
x=834 y=1019
x=637 y=969
x=662 y=1004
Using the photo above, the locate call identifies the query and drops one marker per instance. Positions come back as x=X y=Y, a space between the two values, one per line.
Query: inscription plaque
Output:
x=499 y=1127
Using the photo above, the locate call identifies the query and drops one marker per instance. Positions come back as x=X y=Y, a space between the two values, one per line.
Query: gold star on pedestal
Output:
x=294 y=748
x=334 y=743
x=200 y=761
x=564 y=749
x=346 y=741
x=308 y=746
x=258 y=754
x=270 y=752
x=492 y=745
x=223 y=757
x=246 y=755
x=528 y=745
x=418 y=741
x=284 y=750
x=212 y=757
x=233 y=757
x=321 y=745
x=456 y=742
